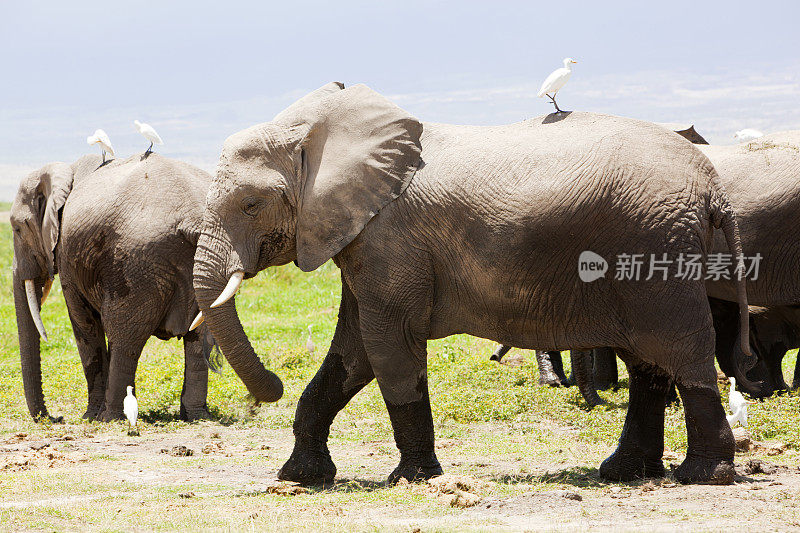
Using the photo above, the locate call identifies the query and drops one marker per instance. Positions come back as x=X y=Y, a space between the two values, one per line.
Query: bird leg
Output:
x=553 y=99
x=149 y=149
x=104 y=157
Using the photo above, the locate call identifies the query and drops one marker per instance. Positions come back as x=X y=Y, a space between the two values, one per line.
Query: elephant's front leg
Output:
x=709 y=458
x=641 y=444
x=344 y=372
x=195 y=377
x=90 y=339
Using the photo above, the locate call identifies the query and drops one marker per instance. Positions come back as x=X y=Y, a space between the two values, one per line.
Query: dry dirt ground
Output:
x=499 y=477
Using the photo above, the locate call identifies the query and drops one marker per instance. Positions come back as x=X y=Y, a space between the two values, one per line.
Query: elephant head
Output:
x=299 y=188
x=35 y=221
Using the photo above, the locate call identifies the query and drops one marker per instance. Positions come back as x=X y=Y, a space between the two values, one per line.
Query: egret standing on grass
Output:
x=310 y=343
x=148 y=133
x=737 y=405
x=100 y=137
x=131 y=409
x=747 y=134
x=556 y=81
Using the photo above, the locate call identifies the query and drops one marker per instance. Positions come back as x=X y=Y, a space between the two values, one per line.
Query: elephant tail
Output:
x=723 y=217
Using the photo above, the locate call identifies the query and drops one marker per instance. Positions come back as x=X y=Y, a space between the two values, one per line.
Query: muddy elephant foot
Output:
x=624 y=465
x=308 y=466
x=52 y=419
x=696 y=469
x=109 y=416
x=416 y=469
x=195 y=414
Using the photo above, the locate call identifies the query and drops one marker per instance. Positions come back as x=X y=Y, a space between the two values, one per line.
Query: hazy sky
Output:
x=199 y=71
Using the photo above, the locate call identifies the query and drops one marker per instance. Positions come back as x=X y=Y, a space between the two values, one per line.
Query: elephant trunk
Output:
x=210 y=280
x=582 y=370
x=29 y=350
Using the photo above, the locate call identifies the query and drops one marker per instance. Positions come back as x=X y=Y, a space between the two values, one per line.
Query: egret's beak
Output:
x=574 y=61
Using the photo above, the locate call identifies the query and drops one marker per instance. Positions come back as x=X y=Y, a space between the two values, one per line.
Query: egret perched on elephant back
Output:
x=149 y=133
x=345 y=174
x=555 y=81
x=747 y=134
x=100 y=138
x=122 y=238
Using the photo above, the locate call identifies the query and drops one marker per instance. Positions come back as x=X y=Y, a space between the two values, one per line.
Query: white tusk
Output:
x=197 y=321
x=33 y=305
x=230 y=289
x=46 y=290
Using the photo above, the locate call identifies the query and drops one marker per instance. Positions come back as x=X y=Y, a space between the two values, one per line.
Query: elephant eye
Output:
x=252 y=206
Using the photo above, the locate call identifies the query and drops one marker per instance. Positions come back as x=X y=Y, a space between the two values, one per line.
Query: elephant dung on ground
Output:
x=442 y=229
x=122 y=236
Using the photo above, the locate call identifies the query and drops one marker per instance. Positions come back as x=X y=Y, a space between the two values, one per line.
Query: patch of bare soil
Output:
x=752 y=503
x=481 y=490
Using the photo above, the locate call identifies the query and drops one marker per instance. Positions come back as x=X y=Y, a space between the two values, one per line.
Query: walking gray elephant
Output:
x=122 y=237
x=448 y=229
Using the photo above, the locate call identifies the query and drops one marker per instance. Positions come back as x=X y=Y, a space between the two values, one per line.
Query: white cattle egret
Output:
x=100 y=137
x=556 y=81
x=747 y=134
x=737 y=405
x=131 y=409
x=148 y=133
x=310 y=343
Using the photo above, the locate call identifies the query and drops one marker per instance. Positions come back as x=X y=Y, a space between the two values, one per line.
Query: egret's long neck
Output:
x=568 y=66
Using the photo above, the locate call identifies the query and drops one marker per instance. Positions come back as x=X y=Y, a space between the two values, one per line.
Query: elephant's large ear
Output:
x=292 y=113
x=56 y=184
x=360 y=153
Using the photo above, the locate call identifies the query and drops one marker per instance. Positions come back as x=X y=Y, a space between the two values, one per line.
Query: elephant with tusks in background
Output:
x=441 y=229
x=122 y=236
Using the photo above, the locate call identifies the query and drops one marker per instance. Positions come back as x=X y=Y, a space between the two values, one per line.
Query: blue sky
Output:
x=199 y=71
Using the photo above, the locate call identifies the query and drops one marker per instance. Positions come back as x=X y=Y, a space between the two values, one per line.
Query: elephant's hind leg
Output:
x=641 y=444
x=195 y=377
x=91 y=341
x=343 y=373
x=709 y=458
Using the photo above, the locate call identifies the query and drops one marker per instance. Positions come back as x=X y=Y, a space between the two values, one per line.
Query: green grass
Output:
x=5 y=206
